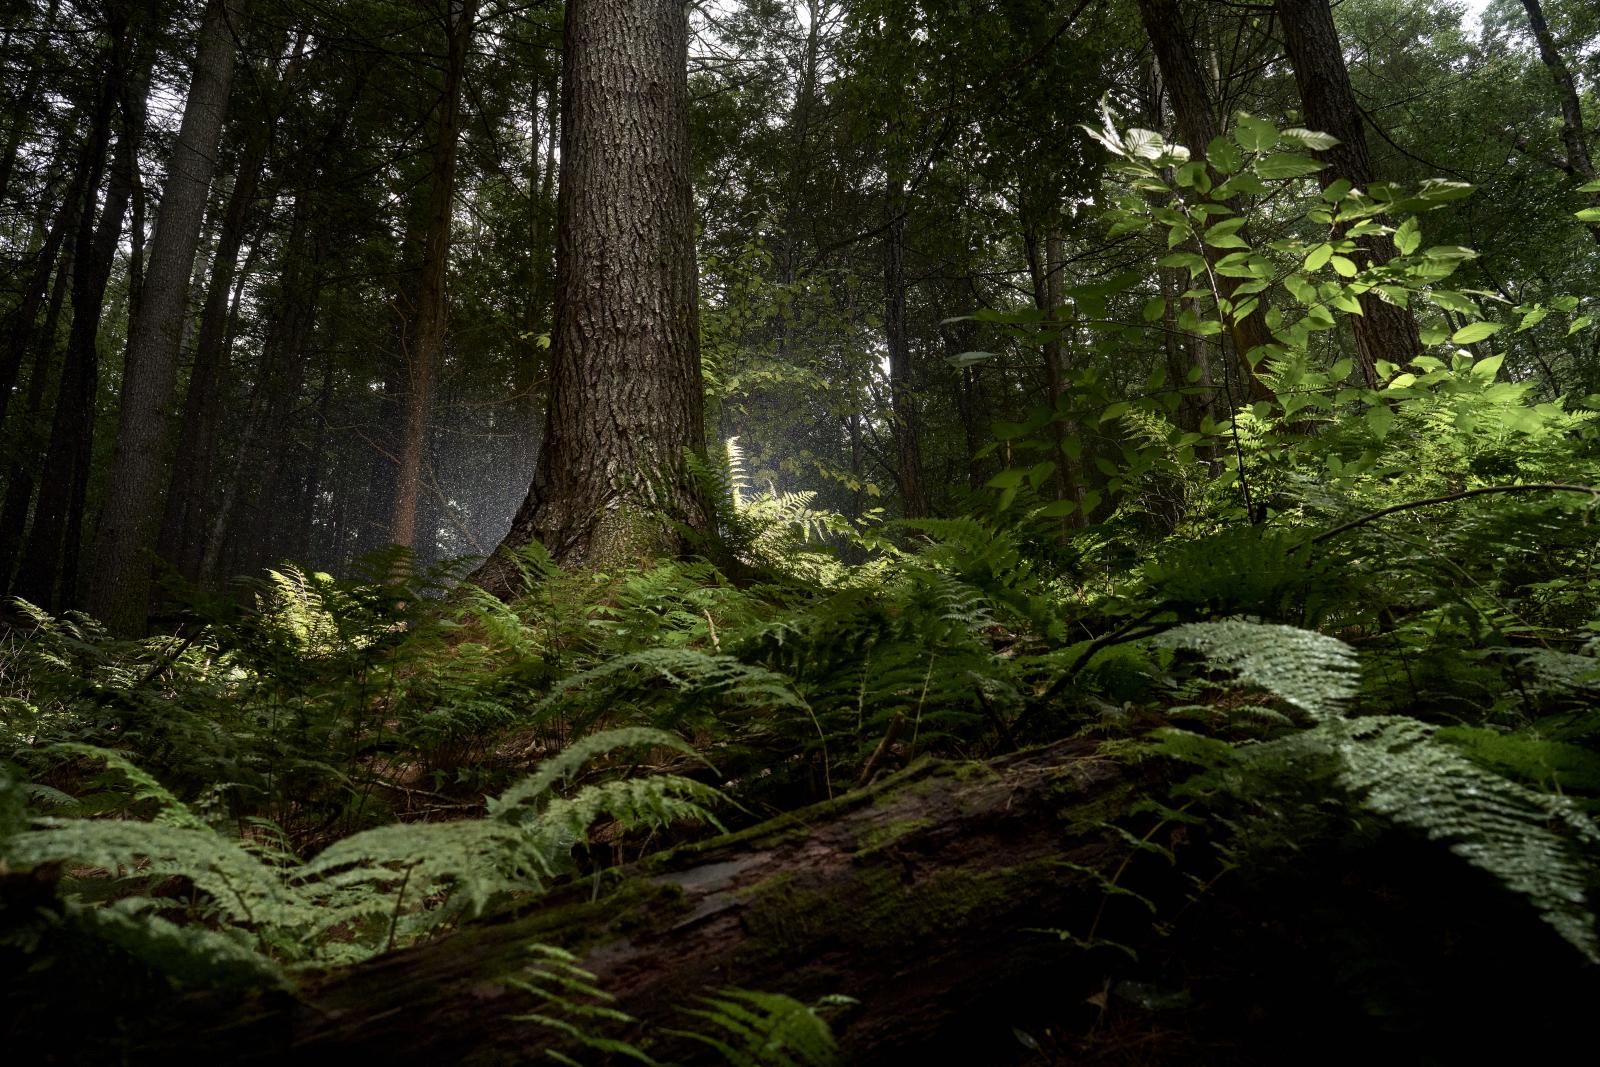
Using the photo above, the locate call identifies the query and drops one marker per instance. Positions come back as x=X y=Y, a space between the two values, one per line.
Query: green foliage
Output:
x=752 y=1029
x=372 y=890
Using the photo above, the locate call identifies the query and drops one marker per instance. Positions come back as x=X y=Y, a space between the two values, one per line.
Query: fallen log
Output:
x=952 y=902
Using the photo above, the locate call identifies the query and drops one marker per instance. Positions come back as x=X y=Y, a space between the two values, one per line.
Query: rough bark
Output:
x=425 y=349
x=1189 y=95
x=119 y=593
x=1383 y=331
x=626 y=399
x=1579 y=162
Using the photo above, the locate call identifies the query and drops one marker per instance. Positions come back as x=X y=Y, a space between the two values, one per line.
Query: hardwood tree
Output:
x=130 y=513
x=626 y=399
x=1383 y=331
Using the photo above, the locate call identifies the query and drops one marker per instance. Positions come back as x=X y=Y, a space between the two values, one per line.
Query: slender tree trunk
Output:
x=49 y=559
x=183 y=528
x=902 y=399
x=24 y=317
x=119 y=593
x=24 y=106
x=1579 y=162
x=1189 y=93
x=1384 y=331
x=425 y=351
x=240 y=525
x=22 y=478
x=626 y=400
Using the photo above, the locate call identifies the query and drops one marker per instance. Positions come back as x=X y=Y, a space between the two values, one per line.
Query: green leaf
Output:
x=1224 y=155
x=1318 y=256
x=1154 y=308
x=1380 y=417
x=1253 y=134
x=1475 y=331
x=1312 y=139
x=1287 y=165
x=1007 y=479
x=1588 y=214
x=1487 y=368
x=1408 y=237
x=1343 y=266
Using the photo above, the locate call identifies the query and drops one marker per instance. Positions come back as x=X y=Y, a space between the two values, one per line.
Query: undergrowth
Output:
x=1369 y=607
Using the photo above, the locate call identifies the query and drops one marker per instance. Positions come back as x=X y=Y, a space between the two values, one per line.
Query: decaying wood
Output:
x=929 y=897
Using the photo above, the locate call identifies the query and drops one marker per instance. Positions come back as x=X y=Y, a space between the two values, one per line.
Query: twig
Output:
x=1528 y=487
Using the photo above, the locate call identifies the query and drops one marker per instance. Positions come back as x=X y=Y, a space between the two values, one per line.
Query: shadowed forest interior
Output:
x=793 y=532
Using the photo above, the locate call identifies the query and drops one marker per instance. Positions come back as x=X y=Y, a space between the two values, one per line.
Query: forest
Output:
x=799 y=532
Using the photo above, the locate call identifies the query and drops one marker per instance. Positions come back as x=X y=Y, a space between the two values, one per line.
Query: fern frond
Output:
x=1311 y=671
x=1532 y=842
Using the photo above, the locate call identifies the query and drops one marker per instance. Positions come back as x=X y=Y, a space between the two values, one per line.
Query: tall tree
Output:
x=128 y=520
x=425 y=347
x=50 y=556
x=1384 y=331
x=626 y=399
x=1188 y=93
x=1578 y=162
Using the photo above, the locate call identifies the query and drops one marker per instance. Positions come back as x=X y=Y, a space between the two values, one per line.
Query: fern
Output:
x=755 y=1029
x=370 y=885
x=1533 y=843
x=1308 y=670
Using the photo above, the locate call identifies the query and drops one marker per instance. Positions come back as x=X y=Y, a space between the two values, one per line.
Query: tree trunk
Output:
x=1383 y=330
x=23 y=108
x=119 y=593
x=183 y=527
x=922 y=896
x=22 y=478
x=49 y=559
x=1189 y=94
x=425 y=350
x=626 y=399
x=1578 y=162
x=24 y=316
x=902 y=399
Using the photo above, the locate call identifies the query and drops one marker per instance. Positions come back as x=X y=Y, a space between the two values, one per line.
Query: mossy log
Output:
x=929 y=897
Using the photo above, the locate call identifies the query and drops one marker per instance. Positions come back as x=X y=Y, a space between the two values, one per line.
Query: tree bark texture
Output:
x=1383 y=331
x=129 y=517
x=626 y=399
x=1189 y=95
x=425 y=349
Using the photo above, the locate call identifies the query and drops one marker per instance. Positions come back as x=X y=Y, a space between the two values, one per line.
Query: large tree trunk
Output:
x=119 y=594
x=1384 y=331
x=425 y=349
x=626 y=399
